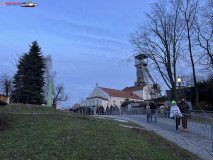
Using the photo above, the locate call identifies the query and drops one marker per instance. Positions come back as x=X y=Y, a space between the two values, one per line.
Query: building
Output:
x=101 y=96
x=5 y=99
x=142 y=89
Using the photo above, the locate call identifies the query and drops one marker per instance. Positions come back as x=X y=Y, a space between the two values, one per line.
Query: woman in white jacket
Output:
x=175 y=113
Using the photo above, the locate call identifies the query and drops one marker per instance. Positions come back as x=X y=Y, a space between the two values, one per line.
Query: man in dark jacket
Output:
x=184 y=110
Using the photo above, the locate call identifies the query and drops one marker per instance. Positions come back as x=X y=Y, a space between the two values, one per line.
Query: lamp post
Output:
x=179 y=82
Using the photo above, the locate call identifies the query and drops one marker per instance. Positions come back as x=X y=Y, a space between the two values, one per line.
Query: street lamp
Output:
x=179 y=82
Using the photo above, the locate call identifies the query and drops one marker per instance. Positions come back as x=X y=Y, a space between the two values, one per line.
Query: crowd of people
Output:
x=97 y=110
x=177 y=112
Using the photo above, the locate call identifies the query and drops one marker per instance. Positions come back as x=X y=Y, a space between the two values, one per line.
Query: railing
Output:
x=200 y=127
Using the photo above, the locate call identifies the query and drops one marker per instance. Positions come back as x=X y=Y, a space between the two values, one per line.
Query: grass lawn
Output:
x=58 y=135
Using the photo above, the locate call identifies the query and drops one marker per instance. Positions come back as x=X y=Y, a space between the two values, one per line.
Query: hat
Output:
x=173 y=102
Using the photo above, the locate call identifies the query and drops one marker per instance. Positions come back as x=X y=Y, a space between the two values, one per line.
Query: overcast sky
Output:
x=87 y=40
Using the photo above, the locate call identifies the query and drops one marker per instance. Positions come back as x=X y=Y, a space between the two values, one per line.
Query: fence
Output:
x=201 y=112
x=200 y=127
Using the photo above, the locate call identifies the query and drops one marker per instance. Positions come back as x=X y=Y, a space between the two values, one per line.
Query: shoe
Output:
x=185 y=130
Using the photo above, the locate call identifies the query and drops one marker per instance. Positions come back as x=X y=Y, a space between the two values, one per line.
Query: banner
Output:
x=50 y=92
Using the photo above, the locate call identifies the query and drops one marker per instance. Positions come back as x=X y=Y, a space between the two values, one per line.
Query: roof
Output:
x=3 y=95
x=120 y=93
x=97 y=97
x=132 y=89
x=76 y=106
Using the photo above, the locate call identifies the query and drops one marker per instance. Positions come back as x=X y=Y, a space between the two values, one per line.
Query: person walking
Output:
x=148 y=111
x=175 y=114
x=153 y=110
x=184 y=109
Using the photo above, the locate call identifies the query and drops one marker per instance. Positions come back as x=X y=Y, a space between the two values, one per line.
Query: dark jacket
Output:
x=153 y=108
x=183 y=107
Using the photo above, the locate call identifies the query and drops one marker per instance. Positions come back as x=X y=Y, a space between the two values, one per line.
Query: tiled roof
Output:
x=132 y=89
x=120 y=93
x=76 y=106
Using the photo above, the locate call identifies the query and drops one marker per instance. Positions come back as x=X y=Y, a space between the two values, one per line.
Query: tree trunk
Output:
x=174 y=92
x=193 y=67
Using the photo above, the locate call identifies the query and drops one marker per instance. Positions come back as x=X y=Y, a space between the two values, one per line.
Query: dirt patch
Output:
x=4 y=123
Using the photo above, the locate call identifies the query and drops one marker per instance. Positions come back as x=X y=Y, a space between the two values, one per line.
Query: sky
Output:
x=88 y=40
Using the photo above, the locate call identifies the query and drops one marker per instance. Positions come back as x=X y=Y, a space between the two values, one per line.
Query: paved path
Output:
x=197 y=140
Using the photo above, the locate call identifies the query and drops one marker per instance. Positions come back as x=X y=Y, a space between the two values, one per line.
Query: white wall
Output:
x=139 y=93
x=119 y=99
x=146 y=93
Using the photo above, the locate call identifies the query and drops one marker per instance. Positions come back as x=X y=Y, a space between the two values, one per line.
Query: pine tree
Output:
x=29 y=78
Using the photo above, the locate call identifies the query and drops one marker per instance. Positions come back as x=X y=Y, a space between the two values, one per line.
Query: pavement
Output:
x=197 y=140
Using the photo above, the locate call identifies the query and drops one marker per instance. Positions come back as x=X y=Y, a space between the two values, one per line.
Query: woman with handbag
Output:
x=175 y=114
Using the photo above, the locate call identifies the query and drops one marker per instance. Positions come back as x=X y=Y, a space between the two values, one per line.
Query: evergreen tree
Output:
x=29 y=78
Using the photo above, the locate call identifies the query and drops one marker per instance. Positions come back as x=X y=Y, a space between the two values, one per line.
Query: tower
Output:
x=143 y=75
x=139 y=62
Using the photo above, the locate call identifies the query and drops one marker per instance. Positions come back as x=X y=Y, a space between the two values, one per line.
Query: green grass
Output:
x=57 y=135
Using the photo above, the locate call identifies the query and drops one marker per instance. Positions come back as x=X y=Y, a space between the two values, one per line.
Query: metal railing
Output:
x=200 y=127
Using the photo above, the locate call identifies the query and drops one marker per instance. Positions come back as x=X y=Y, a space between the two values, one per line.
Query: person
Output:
x=175 y=114
x=97 y=110
x=107 y=110
x=153 y=110
x=111 y=110
x=102 y=110
x=184 y=109
x=116 y=110
x=148 y=111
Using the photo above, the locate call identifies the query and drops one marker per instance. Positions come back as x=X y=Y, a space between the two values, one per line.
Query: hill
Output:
x=37 y=132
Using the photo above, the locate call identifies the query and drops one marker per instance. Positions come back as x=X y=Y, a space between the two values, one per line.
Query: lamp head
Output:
x=179 y=79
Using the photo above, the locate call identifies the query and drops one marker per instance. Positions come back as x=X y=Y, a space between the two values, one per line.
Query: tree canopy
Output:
x=29 y=78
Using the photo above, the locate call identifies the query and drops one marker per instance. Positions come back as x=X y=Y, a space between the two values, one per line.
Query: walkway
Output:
x=197 y=140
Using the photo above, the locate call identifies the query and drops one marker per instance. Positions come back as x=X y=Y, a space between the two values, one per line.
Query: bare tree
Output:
x=58 y=94
x=190 y=12
x=49 y=74
x=6 y=85
x=205 y=34
x=81 y=100
x=161 y=39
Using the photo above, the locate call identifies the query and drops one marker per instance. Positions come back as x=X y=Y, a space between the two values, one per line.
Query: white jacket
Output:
x=174 y=110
